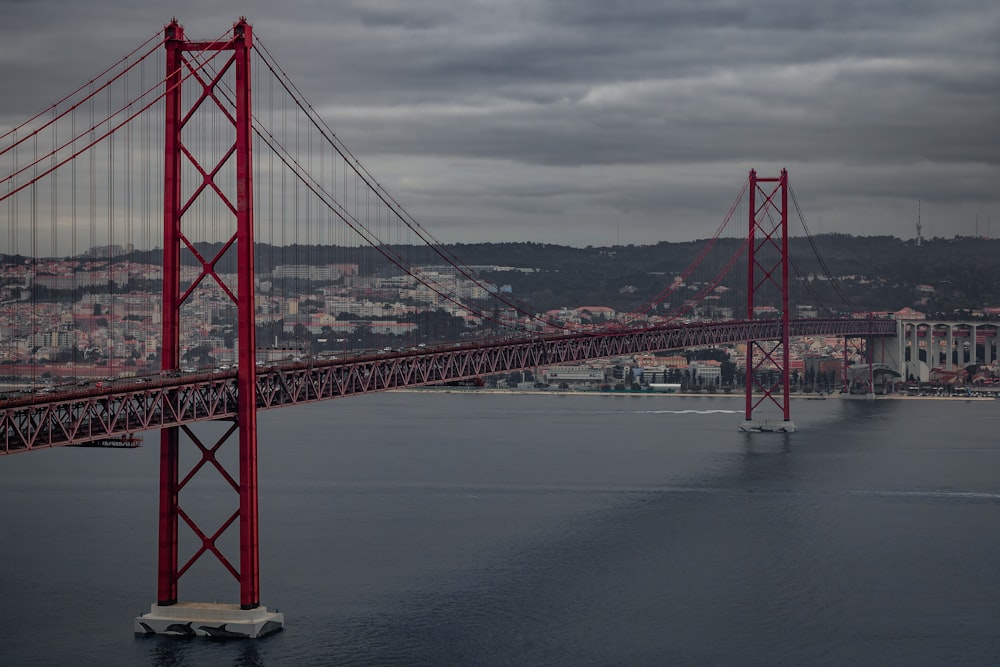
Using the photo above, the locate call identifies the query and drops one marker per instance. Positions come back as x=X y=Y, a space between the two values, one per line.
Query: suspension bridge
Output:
x=188 y=204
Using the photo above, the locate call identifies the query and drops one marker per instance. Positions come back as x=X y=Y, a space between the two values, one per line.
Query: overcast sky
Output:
x=592 y=122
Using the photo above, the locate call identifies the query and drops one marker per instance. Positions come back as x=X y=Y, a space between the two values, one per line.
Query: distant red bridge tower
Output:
x=767 y=380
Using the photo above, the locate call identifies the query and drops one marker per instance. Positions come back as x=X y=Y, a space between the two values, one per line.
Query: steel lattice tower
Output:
x=767 y=268
x=247 y=619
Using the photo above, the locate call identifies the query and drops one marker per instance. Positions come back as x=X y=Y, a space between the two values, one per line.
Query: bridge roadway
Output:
x=93 y=414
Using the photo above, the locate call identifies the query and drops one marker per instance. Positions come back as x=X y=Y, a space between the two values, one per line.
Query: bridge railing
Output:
x=99 y=413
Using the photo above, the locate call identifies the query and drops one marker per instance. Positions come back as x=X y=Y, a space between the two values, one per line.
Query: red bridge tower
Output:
x=767 y=361
x=227 y=80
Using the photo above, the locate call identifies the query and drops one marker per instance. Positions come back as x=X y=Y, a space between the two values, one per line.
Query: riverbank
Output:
x=904 y=397
x=651 y=394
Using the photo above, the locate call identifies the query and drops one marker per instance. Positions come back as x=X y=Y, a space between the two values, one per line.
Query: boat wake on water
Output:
x=687 y=412
x=934 y=494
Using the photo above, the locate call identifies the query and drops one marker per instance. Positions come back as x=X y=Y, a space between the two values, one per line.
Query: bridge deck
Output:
x=100 y=413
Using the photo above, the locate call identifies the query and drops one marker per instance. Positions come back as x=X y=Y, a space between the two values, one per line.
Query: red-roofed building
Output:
x=910 y=314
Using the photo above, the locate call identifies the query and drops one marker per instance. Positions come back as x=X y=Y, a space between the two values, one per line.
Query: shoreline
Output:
x=645 y=394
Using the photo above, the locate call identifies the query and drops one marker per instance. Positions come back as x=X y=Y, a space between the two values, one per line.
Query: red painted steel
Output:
x=90 y=414
x=752 y=246
x=169 y=440
x=764 y=233
x=845 y=388
x=170 y=403
x=246 y=375
x=243 y=296
x=786 y=318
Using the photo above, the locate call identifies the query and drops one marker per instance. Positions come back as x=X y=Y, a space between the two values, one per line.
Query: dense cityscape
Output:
x=97 y=318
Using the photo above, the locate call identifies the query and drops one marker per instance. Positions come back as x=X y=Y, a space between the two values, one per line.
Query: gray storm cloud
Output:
x=583 y=121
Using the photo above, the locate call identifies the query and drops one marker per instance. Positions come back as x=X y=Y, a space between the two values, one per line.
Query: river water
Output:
x=500 y=529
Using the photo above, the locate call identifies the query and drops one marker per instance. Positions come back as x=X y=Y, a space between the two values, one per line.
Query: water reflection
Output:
x=188 y=651
x=250 y=655
x=767 y=457
x=169 y=651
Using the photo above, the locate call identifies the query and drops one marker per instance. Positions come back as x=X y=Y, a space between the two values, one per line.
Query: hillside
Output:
x=874 y=273
x=871 y=272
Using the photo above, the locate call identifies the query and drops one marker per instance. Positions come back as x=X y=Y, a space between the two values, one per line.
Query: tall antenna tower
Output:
x=919 y=226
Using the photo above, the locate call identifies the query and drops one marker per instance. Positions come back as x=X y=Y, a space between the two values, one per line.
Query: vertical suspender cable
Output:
x=74 y=250
x=33 y=345
x=110 y=310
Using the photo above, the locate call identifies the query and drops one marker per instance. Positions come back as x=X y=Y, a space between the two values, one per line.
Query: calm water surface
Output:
x=455 y=529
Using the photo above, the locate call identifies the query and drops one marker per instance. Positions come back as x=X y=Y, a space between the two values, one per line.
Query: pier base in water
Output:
x=859 y=397
x=767 y=426
x=206 y=619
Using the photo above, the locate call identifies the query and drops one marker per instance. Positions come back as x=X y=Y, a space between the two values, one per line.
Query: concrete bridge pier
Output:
x=949 y=346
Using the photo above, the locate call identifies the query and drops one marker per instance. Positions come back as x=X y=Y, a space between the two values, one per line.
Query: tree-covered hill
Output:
x=872 y=272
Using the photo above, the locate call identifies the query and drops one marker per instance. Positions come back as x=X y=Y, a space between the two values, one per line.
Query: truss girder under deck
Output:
x=95 y=414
